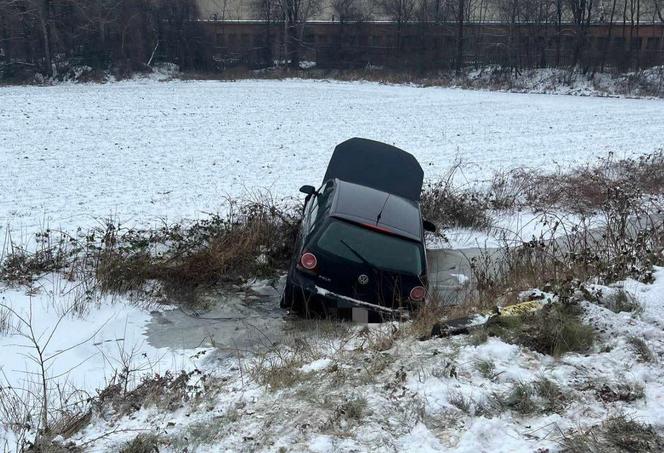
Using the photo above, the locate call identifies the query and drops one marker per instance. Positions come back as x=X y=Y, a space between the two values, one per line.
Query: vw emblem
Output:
x=363 y=279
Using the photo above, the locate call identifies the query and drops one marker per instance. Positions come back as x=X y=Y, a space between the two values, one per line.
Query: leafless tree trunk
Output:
x=460 y=29
x=607 y=43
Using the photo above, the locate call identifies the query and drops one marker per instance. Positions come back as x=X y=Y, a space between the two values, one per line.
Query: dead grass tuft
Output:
x=621 y=301
x=281 y=376
x=519 y=399
x=551 y=396
x=555 y=329
x=168 y=392
x=486 y=368
x=641 y=349
x=627 y=392
x=541 y=396
x=355 y=408
x=616 y=434
x=143 y=443
x=461 y=402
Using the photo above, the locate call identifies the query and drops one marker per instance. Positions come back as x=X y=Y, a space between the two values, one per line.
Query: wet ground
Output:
x=249 y=318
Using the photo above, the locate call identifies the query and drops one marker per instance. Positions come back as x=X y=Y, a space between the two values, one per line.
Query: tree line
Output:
x=51 y=36
x=533 y=27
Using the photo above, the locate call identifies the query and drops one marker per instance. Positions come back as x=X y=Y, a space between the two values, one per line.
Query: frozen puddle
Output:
x=236 y=320
x=251 y=320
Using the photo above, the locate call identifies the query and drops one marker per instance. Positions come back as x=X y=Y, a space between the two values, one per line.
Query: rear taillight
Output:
x=308 y=261
x=417 y=294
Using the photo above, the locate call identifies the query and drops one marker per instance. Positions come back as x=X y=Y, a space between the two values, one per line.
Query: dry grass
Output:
x=448 y=205
x=143 y=443
x=552 y=399
x=623 y=391
x=641 y=349
x=486 y=368
x=166 y=392
x=493 y=78
x=621 y=301
x=354 y=408
x=616 y=434
x=254 y=239
x=519 y=399
x=281 y=376
x=584 y=189
x=541 y=396
x=555 y=330
x=5 y=321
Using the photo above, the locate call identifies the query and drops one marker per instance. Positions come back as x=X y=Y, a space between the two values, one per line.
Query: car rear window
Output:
x=382 y=250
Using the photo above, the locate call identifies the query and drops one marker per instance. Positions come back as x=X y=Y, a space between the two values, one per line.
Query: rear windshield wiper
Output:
x=356 y=253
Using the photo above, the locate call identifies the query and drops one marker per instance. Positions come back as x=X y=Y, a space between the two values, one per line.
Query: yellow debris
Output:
x=523 y=307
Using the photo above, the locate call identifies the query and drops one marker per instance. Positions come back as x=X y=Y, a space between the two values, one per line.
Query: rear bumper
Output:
x=305 y=293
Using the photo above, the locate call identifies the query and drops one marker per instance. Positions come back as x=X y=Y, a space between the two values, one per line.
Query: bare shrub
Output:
x=624 y=240
x=584 y=189
x=19 y=266
x=448 y=205
x=43 y=405
x=254 y=239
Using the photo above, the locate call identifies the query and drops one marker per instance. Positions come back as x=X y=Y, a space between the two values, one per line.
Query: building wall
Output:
x=488 y=10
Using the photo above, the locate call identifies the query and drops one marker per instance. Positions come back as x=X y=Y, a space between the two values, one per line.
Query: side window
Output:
x=313 y=212
x=318 y=206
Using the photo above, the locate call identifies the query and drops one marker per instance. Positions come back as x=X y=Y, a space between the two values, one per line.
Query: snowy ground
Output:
x=144 y=150
x=418 y=396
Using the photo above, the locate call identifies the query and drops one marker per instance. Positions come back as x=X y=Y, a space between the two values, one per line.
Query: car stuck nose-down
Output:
x=360 y=250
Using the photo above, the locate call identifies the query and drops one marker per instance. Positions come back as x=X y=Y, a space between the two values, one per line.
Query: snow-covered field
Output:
x=143 y=150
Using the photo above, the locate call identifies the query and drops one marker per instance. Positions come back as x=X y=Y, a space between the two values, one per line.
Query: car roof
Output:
x=363 y=205
x=377 y=165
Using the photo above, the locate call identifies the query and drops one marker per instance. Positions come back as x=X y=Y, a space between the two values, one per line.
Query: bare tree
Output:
x=349 y=10
x=581 y=11
x=295 y=15
x=40 y=355
x=659 y=9
x=401 y=12
x=460 y=29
